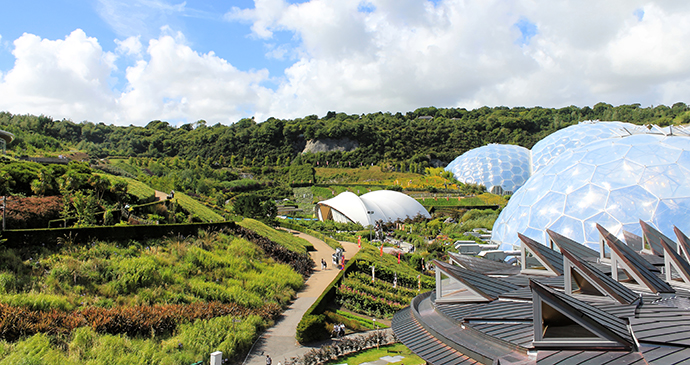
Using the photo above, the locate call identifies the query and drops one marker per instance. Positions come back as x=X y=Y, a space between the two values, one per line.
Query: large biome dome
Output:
x=493 y=165
x=545 y=151
x=614 y=182
x=385 y=205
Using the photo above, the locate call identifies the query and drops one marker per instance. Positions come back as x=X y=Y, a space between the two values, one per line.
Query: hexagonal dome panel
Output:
x=492 y=165
x=545 y=151
x=613 y=182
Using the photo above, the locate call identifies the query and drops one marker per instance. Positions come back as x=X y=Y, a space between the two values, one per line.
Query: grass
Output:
x=374 y=354
x=137 y=188
x=283 y=238
x=204 y=213
x=177 y=270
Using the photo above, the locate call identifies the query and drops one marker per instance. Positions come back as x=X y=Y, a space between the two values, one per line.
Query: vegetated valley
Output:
x=172 y=299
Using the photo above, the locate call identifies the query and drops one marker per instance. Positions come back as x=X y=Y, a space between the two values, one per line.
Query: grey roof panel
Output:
x=484 y=285
x=683 y=240
x=662 y=325
x=519 y=294
x=670 y=355
x=457 y=311
x=484 y=266
x=504 y=310
x=572 y=246
x=550 y=257
x=421 y=342
x=521 y=334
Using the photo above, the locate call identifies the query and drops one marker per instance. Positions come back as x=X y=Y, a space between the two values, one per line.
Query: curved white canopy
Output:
x=386 y=205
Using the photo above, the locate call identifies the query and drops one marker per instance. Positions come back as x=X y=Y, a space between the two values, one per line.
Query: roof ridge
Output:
x=571 y=245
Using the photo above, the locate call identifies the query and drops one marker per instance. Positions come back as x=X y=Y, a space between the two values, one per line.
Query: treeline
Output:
x=425 y=135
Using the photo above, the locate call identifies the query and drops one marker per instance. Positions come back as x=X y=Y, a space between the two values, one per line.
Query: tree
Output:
x=252 y=206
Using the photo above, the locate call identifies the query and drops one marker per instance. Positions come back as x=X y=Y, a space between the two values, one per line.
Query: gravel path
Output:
x=279 y=341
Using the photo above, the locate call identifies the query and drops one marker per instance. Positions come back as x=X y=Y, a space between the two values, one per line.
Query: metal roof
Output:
x=426 y=346
x=486 y=267
x=484 y=285
x=589 y=357
x=652 y=329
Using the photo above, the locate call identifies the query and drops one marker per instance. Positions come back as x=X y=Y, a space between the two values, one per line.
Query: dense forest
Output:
x=425 y=136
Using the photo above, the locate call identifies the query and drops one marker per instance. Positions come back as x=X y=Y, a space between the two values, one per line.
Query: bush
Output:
x=312 y=328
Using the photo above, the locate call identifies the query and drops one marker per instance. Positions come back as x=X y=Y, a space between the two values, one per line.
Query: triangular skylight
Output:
x=561 y=321
x=591 y=281
x=633 y=264
x=455 y=285
x=548 y=262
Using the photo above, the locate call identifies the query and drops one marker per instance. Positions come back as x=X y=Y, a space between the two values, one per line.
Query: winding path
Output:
x=279 y=341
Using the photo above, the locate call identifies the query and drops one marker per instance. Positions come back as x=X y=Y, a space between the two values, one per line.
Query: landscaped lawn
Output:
x=397 y=349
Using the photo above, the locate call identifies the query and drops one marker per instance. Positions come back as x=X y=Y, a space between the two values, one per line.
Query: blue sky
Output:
x=132 y=61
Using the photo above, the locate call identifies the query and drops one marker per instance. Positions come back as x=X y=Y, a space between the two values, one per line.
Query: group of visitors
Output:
x=338 y=330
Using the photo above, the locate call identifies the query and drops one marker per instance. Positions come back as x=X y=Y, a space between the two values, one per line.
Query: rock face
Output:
x=328 y=145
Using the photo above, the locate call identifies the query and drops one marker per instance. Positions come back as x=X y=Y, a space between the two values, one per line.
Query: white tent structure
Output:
x=385 y=205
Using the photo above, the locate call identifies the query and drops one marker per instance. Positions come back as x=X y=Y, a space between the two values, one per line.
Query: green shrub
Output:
x=229 y=334
x=36 y=350
x=312 y=328
x=8 y=282
x=135 y=273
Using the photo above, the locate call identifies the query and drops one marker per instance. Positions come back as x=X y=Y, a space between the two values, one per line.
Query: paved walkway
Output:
x=279 y=341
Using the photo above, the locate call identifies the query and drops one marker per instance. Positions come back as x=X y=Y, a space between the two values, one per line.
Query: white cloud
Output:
x=178 y=83
x=68 y=79
x=130 y=46
x=63 y=78
x=361 y=56
x=401 y=55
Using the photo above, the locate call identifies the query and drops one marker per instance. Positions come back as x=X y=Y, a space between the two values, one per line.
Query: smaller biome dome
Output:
x=545 y=151
x=493 y=165
x=615 y=182
x=385 y=205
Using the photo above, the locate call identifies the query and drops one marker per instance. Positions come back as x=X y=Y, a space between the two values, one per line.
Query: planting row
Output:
x=136 y=321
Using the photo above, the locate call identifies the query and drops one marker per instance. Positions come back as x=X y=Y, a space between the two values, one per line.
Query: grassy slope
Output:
x=211 y=267
x=204 y=213
x=135 y=187
x=285 y=239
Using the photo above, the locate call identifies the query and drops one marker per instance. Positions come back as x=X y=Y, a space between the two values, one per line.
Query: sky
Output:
x=128 y=62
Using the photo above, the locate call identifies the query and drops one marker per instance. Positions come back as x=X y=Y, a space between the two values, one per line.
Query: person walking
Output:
x=268 y=360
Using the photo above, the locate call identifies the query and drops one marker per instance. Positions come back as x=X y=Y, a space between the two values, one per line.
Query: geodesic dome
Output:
x=614 y=182
x=492 y=165
x=385 y=205
x=574 y=136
